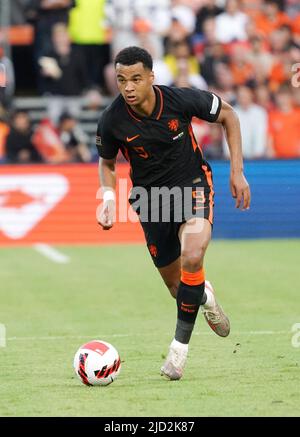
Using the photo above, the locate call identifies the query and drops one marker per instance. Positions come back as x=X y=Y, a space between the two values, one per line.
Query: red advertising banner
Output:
x=57 y=205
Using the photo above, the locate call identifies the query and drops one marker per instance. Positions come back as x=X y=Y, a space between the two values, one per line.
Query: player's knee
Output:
x=192 y=260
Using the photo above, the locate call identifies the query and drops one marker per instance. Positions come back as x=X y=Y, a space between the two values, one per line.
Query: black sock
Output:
x=204 y=298
x=189 y=299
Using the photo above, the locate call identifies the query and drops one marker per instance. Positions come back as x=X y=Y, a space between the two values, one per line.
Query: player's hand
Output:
x=240 y=190
x=107 y=215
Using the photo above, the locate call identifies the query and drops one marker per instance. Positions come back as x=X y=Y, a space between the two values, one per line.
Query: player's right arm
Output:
x=107 y=177
x=108 y=150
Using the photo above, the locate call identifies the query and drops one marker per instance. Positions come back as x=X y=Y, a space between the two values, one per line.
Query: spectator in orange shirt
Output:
x=279 y=73
x=284 y=66
x=242 y=70
x=260 y=58
x=280 y=39
x=284 y=126
x=271 y=18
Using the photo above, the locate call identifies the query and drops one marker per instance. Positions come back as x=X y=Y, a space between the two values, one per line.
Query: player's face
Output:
x=134 y=82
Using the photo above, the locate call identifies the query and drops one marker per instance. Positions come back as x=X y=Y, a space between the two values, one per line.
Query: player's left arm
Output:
x=239 y=186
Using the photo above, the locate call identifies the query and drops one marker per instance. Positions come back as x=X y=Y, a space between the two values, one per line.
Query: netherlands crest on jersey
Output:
x=173 y=124
x=153 y=250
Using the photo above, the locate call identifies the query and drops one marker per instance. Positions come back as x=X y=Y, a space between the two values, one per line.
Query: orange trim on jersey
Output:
x=210 y=183
x=194 y=142
x=131 y=113
x=191 y=133
x=161 y=102
x=193 y=278
x=127 y=157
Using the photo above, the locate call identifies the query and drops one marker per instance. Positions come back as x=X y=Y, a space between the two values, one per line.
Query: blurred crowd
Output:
x=247 y=52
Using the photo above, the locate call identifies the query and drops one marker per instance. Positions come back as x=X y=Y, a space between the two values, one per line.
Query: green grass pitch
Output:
x=114 y=293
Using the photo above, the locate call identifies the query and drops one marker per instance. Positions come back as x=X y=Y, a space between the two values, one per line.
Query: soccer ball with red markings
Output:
x=97 y=363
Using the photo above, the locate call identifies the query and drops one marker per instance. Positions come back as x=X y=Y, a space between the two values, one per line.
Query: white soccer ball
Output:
x=97 y=363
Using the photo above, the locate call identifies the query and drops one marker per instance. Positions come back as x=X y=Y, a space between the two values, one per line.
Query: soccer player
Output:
x=151 y=125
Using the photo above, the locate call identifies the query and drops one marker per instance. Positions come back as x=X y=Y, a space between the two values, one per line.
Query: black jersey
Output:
x=161 y=148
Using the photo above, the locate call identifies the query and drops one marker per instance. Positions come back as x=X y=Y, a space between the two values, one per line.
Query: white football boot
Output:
x=213 y=313
x=175 y=361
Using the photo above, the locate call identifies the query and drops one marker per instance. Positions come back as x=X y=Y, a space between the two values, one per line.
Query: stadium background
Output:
x=250 y=56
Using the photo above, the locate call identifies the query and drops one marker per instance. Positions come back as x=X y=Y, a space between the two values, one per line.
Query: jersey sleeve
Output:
x=201 y=104
x=105 y=142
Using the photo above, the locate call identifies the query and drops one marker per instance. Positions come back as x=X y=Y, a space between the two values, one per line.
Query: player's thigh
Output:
x=194 y=236
x=171 y=276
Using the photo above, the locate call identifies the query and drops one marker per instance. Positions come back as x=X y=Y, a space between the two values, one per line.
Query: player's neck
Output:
x=146 y=108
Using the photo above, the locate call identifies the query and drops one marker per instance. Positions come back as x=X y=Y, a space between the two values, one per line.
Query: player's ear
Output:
x=151 y=76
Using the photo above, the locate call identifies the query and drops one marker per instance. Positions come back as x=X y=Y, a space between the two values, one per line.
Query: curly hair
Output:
x=133 y=55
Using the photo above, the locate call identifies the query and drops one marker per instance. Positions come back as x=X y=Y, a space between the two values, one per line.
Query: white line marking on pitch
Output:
x=63 y=337
x=51 y=253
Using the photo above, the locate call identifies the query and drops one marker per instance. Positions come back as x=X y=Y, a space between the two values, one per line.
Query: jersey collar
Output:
x=158 y=109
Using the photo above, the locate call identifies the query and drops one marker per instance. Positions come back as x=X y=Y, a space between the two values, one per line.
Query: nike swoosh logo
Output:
x=132 y=138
